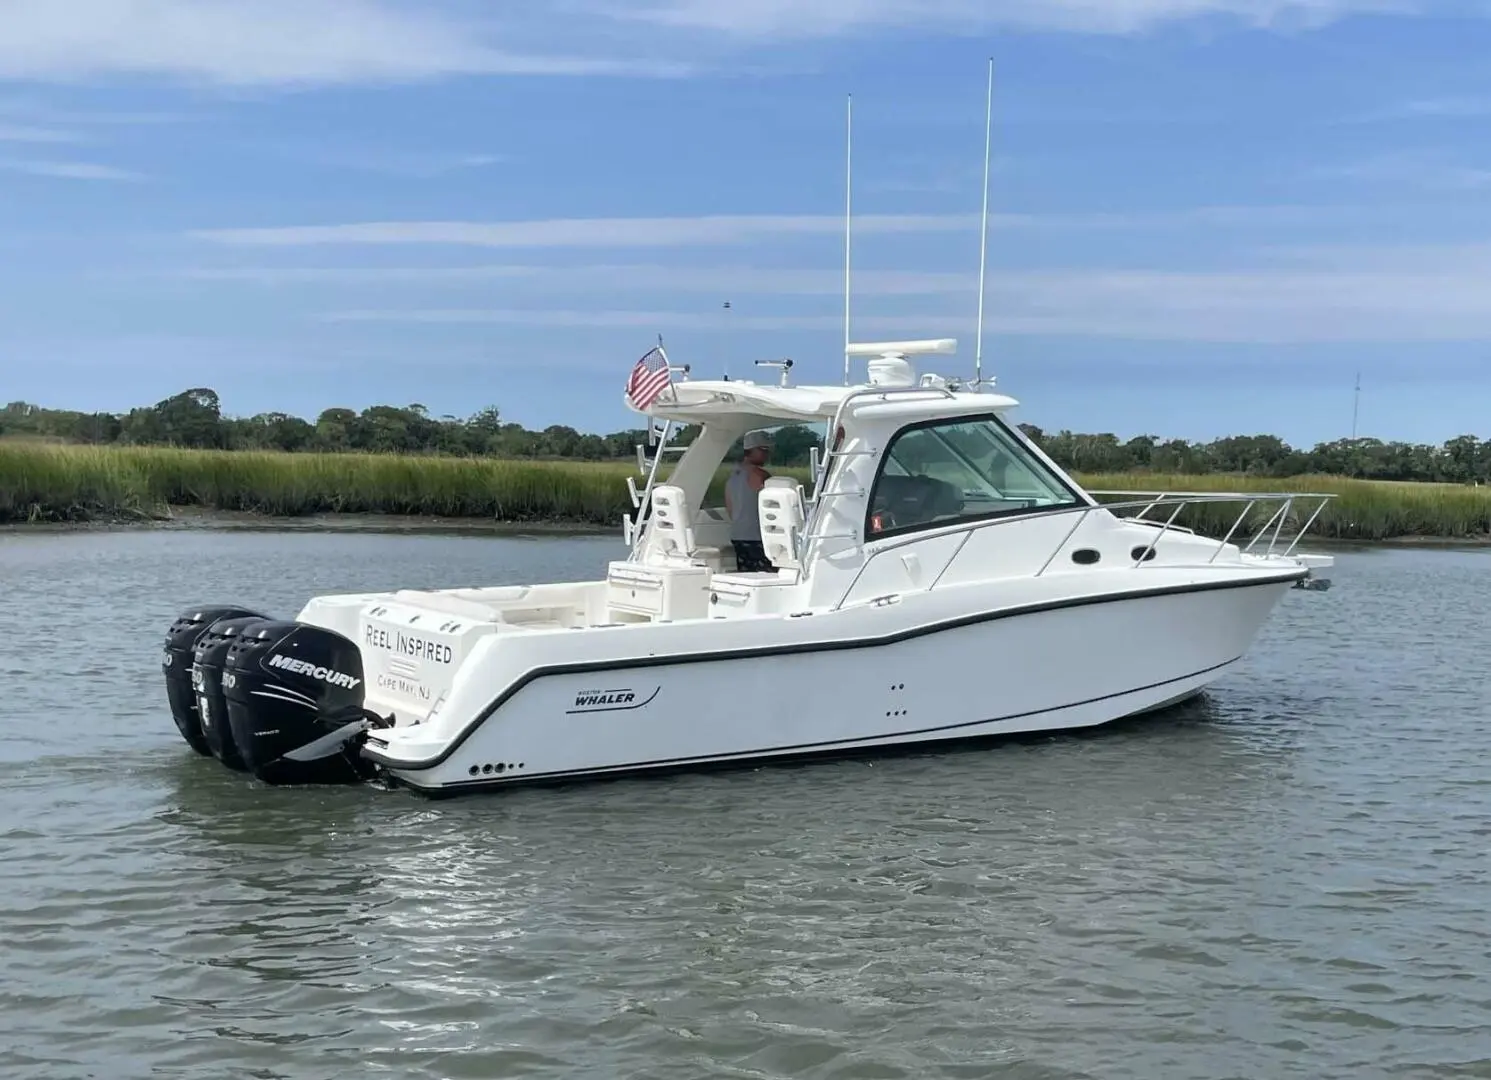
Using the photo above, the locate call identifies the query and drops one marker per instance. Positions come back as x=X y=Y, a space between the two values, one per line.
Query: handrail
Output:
x=1220 y=495
x=1082 y=511
x=831 y=452
x=638 y=528
x=1081 y=508
x=1282 y=514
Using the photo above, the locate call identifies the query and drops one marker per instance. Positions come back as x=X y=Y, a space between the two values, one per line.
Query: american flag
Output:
x=650 y=377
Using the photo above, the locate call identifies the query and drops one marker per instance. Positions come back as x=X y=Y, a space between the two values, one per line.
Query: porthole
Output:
x=1143 y=551
x=1086 y=556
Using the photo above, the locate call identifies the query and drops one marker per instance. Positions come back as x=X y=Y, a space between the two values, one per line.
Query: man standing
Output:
x=742 y=489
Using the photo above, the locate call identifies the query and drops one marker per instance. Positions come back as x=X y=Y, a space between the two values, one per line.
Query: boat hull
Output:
x=1062 y=667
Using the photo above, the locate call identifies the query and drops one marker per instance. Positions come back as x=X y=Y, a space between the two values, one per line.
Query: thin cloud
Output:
x=730 y=228
x=1439 y=107
x=71 y=170
x=416 y=166
x=386 y=161
x=766 y=19
x=30 y=111
x=1418 y=171
x=584 y=232
x=290 y=43
x=580 y=319
x=357 y=275
x=23 y=133
x=268 y=43
x=1256 y=307
x=723 y=281
x=1472 y=257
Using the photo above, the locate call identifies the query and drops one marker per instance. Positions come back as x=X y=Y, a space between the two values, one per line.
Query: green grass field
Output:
x=49 y=482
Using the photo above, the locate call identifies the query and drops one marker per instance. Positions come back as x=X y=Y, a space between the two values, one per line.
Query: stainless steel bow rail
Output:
x=1142 y=507
x=1145 y=501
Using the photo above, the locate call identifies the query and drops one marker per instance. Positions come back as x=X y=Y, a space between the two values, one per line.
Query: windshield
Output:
x=966 y=469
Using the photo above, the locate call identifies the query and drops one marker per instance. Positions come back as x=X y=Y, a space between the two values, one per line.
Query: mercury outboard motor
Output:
x=207 y=679
x=295 y=703
x=176 y=662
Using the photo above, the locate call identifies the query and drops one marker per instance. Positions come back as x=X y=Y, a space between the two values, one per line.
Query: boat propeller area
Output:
x=281 y=700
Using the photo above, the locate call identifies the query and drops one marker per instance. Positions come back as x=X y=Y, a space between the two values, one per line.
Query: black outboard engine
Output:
x=295 y=703
x=176 y=662
x=207 y=680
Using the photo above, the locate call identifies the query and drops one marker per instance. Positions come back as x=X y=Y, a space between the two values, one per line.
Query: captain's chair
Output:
x=673 y=528
x=783 y=518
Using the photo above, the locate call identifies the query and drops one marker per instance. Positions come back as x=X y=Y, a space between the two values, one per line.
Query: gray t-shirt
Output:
x=745 y=511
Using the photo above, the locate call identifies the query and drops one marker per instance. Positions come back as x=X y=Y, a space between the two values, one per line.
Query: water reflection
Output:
x=276 y=889
x=1283 y=878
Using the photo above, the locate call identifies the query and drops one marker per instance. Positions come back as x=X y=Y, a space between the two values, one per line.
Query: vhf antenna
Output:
x=848 y=213
x=983 y=242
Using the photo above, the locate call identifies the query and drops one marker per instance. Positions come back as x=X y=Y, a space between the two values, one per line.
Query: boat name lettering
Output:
x=407 y=687
x=407 y=644
x=305 y=667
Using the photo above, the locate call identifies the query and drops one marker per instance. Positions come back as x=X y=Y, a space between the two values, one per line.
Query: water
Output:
x=1288 y=879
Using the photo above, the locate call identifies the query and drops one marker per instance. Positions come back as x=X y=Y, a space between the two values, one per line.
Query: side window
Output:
x=954 y=470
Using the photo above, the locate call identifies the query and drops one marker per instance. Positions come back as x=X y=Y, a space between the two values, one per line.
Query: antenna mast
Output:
x=848 y=211
x=983 y=241
x=1356 y=404
x=729 y=338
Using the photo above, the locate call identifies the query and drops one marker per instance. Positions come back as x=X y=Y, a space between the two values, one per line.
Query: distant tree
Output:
x=191 y=418
x=144 y=427
x=194 y=418
x=1140 y=451
x=793 y=444
x=96 y=428
x=334 y=429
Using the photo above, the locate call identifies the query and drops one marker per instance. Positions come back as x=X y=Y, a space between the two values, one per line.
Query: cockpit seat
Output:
x=783 y=517
x=673 y=529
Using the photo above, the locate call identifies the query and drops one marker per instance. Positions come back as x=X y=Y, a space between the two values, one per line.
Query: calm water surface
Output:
x=1288 y=879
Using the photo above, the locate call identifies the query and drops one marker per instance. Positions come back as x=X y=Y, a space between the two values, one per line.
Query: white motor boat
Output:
x=938 y=578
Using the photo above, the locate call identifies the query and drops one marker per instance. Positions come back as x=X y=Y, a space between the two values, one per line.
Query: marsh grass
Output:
x=1362 y=509
x=65 y=483
x=50 y=482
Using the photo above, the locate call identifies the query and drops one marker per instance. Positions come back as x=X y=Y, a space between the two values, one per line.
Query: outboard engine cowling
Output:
x=207 y=679
x=176 y=662
x=295 y=702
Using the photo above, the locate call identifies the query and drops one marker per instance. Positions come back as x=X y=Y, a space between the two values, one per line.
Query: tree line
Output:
x=194 y=418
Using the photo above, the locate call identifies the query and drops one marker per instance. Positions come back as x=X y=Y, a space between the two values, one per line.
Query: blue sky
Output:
x=1207 y=215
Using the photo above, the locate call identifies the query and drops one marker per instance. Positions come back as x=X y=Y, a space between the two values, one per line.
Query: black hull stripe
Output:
x=755 y=652
x=867 y=742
